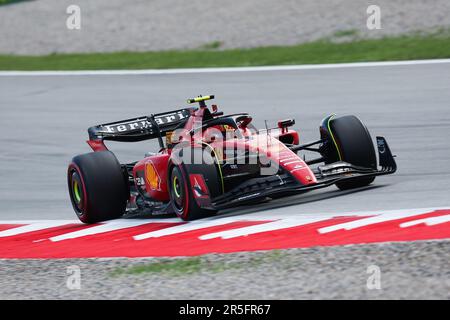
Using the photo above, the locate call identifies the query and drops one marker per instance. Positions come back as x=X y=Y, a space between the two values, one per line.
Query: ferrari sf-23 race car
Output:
x=209 y=161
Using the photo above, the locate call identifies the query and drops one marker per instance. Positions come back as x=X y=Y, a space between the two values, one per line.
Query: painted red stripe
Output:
x=4 y=227
x=120 y=243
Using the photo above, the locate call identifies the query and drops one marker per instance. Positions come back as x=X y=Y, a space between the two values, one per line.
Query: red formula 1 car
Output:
x=210 y=161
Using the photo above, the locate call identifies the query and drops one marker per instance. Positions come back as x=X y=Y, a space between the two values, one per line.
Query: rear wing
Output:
x=141 y=128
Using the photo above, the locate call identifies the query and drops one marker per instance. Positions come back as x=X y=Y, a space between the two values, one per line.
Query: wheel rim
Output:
x=77 y=192
x=76 y=188
x=177 y=192
x=176 y=186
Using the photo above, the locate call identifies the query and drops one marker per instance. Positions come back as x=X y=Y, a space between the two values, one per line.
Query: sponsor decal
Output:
x=140 y=181
x=152 y=177
x=143 y=123
x=169 y=136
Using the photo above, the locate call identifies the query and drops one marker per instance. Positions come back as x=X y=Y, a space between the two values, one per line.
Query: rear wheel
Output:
x=350 y=141
x=97 y=187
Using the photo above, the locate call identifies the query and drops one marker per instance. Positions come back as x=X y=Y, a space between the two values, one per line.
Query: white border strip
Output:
x=256 y=216
x=220 y=70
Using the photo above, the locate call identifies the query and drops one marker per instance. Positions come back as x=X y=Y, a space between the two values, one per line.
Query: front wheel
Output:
x=193 y=186
x=349 y=140
x=182 y=196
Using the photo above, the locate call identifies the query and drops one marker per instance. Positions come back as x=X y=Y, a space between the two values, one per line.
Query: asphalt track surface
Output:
x=44 y=120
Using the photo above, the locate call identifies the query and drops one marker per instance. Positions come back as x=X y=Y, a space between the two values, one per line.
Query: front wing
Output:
x=285 y=184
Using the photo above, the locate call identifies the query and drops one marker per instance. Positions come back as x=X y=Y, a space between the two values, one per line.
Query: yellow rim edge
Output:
x=218 y=166
x=332 y=137
x=174 y=186
x=77 y=192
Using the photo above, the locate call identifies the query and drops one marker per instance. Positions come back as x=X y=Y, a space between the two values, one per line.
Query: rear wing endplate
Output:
x=141 y=128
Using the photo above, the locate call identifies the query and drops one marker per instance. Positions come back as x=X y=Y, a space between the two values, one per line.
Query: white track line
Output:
x=190 y=226
x=107 y=227
x=428 y=221
x=33 y=227
x=270 y=226
x=388 y=216
x=221 y=70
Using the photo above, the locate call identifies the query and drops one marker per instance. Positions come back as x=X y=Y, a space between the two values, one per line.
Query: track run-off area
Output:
x=44 y=117
x=170 y=237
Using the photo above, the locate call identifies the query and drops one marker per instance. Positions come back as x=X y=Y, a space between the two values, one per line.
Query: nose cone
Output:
x=279 y=154
x=293 y=164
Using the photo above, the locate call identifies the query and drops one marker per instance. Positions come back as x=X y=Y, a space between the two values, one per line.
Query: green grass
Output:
x=212 y=45
x=183 y=266
x=172 y=267
x=414 y=46
x=2 y=2
x=346 y=33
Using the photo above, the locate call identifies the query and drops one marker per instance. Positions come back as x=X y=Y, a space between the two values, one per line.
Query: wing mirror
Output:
x=216 y=111
x=284 y=124
x=244 y=121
